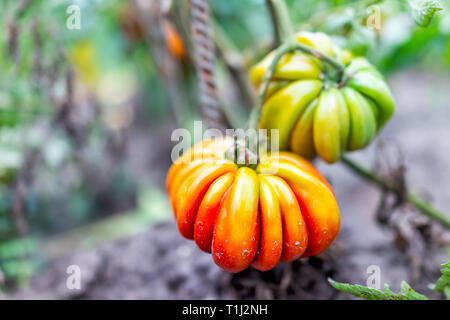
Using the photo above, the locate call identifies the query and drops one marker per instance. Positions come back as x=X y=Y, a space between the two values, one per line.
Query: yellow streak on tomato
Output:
x=292 y=66
x=316 y=40
x=304 y=165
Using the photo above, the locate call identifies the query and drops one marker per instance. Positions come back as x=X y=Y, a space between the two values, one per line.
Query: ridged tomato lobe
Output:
x=271 y=235
x=191 y=193
x=317 y=204
x=208 y=210
x=236 y=232
x=295 y=234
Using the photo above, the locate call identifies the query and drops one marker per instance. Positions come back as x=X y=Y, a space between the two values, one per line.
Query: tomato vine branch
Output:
x=413 y=199
x=281 y=22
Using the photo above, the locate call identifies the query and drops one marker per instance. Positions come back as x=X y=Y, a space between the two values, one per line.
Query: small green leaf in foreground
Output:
x=423 y=11
x=406 y=293
x=443 y=283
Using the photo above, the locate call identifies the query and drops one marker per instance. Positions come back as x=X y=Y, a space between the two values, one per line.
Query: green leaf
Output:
x=406 y=293
x=443 y=283
x=423 y=11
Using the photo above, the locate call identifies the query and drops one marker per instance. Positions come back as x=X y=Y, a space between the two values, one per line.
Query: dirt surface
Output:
x=159 y=264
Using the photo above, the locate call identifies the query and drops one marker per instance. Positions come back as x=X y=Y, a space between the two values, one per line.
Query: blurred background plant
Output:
x=86 y=114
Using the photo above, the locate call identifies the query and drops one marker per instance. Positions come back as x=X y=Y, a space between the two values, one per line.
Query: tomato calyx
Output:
x=331 y=80
x=346 y=77
x=242 y=154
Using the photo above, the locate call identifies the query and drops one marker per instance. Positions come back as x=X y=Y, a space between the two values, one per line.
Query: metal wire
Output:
x=202 y=35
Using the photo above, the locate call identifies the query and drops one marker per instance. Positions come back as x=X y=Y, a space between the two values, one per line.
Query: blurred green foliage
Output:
x=19 y=259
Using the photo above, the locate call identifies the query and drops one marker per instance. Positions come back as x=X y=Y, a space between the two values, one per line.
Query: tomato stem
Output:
x=411 y=198
x=242 y=153
x=281 y=20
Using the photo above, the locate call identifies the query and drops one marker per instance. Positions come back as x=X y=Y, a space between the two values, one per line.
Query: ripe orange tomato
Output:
x=135 y=31
x=280 y=211
x=174 y=42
